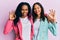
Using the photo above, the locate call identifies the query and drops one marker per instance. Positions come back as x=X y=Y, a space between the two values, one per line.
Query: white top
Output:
x=36 y=26
x=26 y=28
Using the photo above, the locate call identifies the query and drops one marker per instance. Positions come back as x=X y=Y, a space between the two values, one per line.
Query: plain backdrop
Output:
x=8 y=5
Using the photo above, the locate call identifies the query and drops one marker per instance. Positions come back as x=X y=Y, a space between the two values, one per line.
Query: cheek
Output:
x=35 y=11
x=26 y=11
x=22 y=11
x=39 y=10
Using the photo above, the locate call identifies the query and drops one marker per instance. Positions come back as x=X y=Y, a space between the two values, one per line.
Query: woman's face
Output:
x=37 y=9
x=24 y=10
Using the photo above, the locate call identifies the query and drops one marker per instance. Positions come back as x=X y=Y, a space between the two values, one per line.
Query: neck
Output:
x=23 y=16
x=38 y=17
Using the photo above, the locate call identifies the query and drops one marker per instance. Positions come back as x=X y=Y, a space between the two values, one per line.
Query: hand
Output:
x=51 y=16
x=12 y=15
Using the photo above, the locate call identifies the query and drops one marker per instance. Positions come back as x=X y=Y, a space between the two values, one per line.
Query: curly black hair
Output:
x=18 y=11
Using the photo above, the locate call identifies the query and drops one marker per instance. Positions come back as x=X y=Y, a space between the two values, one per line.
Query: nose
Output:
x=24 y=11
x=36 y=10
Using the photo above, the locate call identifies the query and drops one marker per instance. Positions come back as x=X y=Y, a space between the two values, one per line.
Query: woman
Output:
x=21 y=22
x=41 y=23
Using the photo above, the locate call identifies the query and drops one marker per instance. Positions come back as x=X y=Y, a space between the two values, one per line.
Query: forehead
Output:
x=36 y=5
x=24 y=6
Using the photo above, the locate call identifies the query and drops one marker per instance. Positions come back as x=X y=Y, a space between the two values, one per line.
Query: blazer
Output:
x=43 y=29
x=10 y=26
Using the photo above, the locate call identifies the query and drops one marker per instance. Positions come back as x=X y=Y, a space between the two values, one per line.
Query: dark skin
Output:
x=24 y=11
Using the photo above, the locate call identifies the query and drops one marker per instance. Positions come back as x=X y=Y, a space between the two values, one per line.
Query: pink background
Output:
x=8 y=5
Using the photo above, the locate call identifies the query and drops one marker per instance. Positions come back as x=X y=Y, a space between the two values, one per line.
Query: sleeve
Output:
x=8 y=27
x=52 y=28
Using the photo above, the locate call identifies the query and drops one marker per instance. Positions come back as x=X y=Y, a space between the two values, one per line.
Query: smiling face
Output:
x=37 y=9
x=24 y=10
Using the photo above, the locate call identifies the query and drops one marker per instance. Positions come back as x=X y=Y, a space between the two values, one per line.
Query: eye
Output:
x=26 y=9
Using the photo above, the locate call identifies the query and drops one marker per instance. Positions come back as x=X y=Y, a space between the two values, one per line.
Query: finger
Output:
x=13 y=11
x=54 y=11
x=10 y=13
x=51 y=10
x=50 y=13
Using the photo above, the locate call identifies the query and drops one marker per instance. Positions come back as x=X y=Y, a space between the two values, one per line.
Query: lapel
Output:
x=19 y=24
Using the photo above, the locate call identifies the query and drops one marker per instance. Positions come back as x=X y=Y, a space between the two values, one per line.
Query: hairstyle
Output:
x=35 y=15
x=18 y=11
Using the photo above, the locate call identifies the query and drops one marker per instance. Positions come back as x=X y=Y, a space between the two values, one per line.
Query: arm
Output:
x=52 y=28
x=8 y=27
